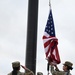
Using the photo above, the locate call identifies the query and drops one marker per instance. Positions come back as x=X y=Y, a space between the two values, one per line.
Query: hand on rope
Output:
x=48 y=73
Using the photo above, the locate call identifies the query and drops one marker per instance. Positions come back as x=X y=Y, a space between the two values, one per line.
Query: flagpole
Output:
x=49 y=4
x=50 y=41
x=48 y=62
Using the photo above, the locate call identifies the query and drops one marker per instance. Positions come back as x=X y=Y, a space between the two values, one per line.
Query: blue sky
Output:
x=13 y=31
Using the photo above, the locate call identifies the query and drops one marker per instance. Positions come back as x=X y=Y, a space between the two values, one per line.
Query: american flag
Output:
x=50 y=41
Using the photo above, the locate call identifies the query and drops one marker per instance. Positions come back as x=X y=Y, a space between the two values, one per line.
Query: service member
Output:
x=67 y=66
x=16 y=69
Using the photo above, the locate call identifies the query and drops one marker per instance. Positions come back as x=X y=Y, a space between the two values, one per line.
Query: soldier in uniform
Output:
x=67 y=66
x=16 y=69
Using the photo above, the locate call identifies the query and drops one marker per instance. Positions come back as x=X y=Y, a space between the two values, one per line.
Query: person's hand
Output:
x=51 y=64
x=55 y=66
x=23 y=67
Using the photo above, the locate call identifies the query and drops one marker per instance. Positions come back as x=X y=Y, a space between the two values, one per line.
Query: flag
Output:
x=50 y=41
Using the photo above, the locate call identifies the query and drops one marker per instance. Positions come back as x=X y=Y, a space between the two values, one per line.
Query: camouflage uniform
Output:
x=17 y=64
x=58 y=72
x=21 y=73
x=39 y=73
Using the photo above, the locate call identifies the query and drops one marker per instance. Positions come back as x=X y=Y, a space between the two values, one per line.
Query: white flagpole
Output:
x=48 y=62
x=49 y=3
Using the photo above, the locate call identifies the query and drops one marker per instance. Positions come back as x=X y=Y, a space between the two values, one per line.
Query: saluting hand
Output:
x=25 y=68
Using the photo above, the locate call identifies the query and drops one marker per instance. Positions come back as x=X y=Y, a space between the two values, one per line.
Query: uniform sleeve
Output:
x=29 y=73
x=56 y=71
x=52 y=69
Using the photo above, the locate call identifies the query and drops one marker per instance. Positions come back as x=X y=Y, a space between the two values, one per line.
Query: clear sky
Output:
x=13 y=31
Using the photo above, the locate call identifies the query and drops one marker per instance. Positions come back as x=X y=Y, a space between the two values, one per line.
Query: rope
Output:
x=48 y=73
x=48 y=68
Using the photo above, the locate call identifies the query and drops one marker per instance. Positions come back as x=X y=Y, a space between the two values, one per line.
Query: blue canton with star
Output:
x=50 y=25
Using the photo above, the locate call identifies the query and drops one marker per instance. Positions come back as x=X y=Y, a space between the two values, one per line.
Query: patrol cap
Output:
x=16 y=64
x=69 y=64
x=39 y=73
